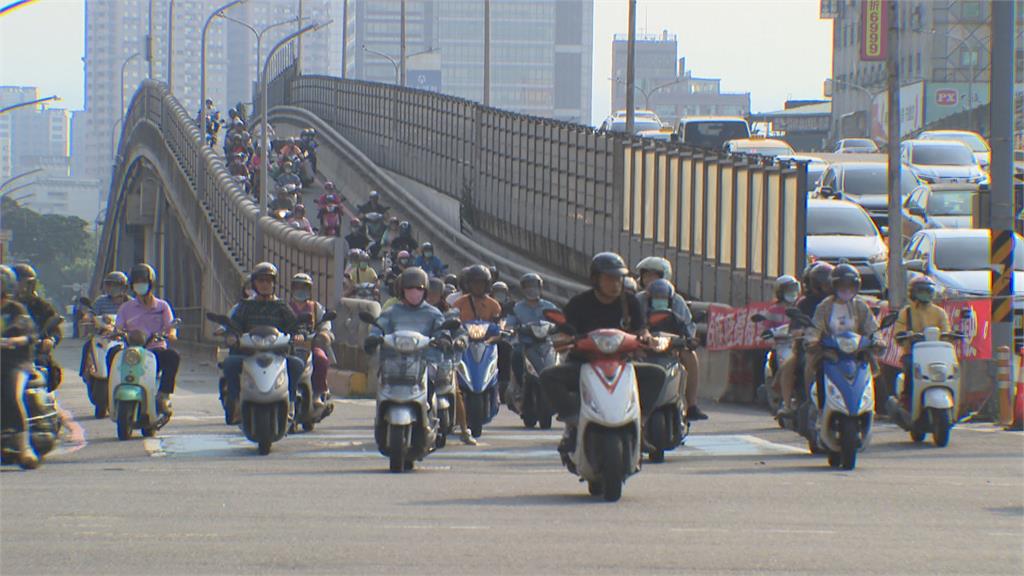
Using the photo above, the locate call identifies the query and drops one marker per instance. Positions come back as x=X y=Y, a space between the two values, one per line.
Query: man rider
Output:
x=918 y=314
x=16 y=350
x=357 y=238
x=283 y=201
x=43 y=313
x=653 y=268
x=843 y=311
x=115 y=293
x=265 y=309
x=373 y=204
x=430 y=263
x=309 y=312
x=818 y=286
x=287 y=176
x=605 y=305
x=359 y=271
x=152 y=316
x=404 y=240
x=527 y=311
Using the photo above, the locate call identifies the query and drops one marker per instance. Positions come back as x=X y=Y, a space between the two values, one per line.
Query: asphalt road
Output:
x=741 y=497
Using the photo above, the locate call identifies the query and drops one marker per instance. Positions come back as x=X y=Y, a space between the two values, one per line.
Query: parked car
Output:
x=935 y=161
x=815 y=168
x=855 y=146
x=640 y=124
x=645 y=114
x=759 y=145
x=711 y=131
x=837 y=231
x=867 y=184
x=958 y=261
x=978 y=145
x=939 y=206
x=665 y=134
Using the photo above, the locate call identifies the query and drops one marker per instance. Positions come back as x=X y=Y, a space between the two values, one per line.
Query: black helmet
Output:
x=404 y=227
x=845 y=273
x=264 y=269
x=142 y=272
x=413 y=277
x=451 y=280
x=117 y=278
x=608 y=263
x=436 y=286
x=477 y=272
x=819 y=277
x=531 y=278
x=24 y=272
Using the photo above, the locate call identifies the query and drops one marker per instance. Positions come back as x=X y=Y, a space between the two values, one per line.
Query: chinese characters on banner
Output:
x=874 y=30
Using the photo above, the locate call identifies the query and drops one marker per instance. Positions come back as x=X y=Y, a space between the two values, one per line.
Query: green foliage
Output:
x=61 y=248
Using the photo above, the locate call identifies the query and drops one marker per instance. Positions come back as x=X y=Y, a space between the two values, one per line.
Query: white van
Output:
x=711 y=131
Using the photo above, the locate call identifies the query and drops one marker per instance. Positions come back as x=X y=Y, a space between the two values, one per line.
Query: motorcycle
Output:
x=132 y=400
x=307 y=412
x=367 y=291
x=478 y=374
x=443 y=378
x=375 y=228
x=665 y=427
x=43 y=418
x=936 y=387
x=406 y=424
x=782 y=349
x=527 y=398
x=802 y=420
x=330 y=216
x=263 y=403
x=609 y=430
x=102 y=340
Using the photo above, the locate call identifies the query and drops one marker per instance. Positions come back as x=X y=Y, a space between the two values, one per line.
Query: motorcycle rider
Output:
x=918 y=314
x=605 y=305
x=115 y=293
x=265 y=309
x=648 y=271
x=843 y=311
x=818 y=286
x=500 y=293
x=404 y=240
x=42 y=312
x=303 y=304
x=287 y=175
x=528 y=310
x=435 y=295
x=283 y=201
x=373 y=204
x=299 y=221
x=151 y=315
x=430 y=263
x=16 y=346
x=357 y=238
x=359 y=271
x=477 y=305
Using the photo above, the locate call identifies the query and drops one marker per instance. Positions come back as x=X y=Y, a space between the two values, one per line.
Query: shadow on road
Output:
x=517 y=501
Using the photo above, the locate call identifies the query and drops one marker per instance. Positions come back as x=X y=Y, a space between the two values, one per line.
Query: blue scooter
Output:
x=478 y=374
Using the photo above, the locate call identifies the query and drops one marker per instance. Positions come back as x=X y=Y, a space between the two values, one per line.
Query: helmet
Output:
x=24 y=272
x=302 y=278
x=393 y=220
x=845 y=273
x=451 y=280
x=353 y=255
x=9 y=280
x=629 y=285
x=819 y=277
x=299 y=208
x=608 y=263
x=374 y=195
x=264 y=269
x=402 y=254
x=786 y=284
x=116 y=278
x=436 y=286
x=426 y=246
x=412 y=278
x=476 y=273
x=655 y=264
x=286 y=164
x=404 y=227
x=143 y=272
x=531 y=278
x=328 y=185
x=661 y=288
x=922 y=289
x=499 y=287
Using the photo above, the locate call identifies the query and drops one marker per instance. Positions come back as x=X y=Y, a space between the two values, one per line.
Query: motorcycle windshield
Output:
x=402 y=369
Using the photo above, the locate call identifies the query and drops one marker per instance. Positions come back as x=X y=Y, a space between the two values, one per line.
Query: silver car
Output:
x=940 y=161
x=840 y=231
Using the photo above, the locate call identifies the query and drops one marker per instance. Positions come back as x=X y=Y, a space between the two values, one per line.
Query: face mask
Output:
x=924 y=296
x=428 y=254
x=845 y=294
x=301 y=295
x=790 y=297
x=659 y=304
x=532 y=293
x=413 y=296
x=500 y=297
x=403 y=261
x=363 y=265
x=141 y=288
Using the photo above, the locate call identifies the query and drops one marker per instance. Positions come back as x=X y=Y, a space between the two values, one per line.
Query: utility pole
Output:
x=344 y=40
x=487 y=52
x=895 y=273
x=401 y=56
x=1001 y=201
x=298 y=43
x=630 y=70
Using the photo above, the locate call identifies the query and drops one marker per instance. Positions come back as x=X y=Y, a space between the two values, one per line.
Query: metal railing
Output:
x=557 y=192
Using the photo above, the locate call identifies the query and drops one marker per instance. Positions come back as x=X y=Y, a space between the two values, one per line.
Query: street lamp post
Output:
x=124 y=65
x=264 y=134
x=6 y=109
x=10 y=180
x=202 y=61
x=170 y=46
x=647 y=93
x=389 y=59
x=259 y=34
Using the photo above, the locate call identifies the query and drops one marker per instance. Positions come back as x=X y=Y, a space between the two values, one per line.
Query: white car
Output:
x=978 y=145
x=757 y=145
x=841 y=231
x=941 y=161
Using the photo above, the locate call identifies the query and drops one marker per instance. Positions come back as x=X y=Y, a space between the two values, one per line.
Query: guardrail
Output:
x=558 y=192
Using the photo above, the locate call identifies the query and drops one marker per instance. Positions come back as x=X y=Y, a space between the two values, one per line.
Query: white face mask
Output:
x=301 y=295
x=141 y=288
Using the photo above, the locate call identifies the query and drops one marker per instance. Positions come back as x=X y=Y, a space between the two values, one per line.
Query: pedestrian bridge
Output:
x=485 y=185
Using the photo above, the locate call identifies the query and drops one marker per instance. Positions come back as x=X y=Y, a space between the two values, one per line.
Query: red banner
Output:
x=977 y=328
x=874 y=30
x=732 y=329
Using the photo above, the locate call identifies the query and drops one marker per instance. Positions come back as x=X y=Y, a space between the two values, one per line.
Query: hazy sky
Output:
x=775 y=49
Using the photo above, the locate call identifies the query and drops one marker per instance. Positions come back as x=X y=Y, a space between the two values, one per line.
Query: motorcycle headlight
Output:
x=867 y=400
x=132 y=357
x=660 y=343
x=405 y=344
x=937 y=372
x=608 y=343
x=848 y=344
x=477 y=331
x=834 y=398
x=540 y=331
x=282 y=380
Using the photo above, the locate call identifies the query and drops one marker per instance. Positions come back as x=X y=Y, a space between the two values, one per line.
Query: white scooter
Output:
x=935 y=393
x=608 y=434
x=782 y=350
x=103 y=339
x=135 y=379
x=307 y=412
x=263 y=403
x=665 y=427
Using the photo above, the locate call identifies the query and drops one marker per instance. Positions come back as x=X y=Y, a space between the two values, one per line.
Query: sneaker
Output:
x=468 y=439
x=695 y=413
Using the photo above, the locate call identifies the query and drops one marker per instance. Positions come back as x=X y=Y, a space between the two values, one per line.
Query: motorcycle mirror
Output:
x=85 y=302
x=555 y=316
x=758 y=318
x=367 y=318
x=451 y=324
x=219 y=319
x=176 y=322
x=889 y=319
x=328 y=316
x=700 y=316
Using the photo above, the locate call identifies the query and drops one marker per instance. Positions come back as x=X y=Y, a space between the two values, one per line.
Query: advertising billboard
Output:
x=947 y=98
x=911 y=111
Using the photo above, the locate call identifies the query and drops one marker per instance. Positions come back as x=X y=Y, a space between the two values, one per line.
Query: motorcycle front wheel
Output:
x=849 y=433
x=397 y=447
x=613 y=470
x=126 y=419
x=941 y=426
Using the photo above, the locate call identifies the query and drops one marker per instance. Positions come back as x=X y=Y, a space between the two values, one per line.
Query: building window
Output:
x=971 y=10
x=968 y=58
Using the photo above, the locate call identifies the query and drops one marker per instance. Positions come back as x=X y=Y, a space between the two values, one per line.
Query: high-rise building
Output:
x=944 y=63
x=664 y=85
x=541 y=50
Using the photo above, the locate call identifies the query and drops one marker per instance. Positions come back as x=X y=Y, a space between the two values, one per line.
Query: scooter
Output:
x=367 y=291
x=478 y=374
x=847 y=389
x=43 y=418
x=263 y=404
x=406 y=425
x=527 y=398
x=782 y=350
x=665 y=427
x=375 y=228
x=330 y=216
x=935 y=395
x=103 y=339
x=134 y=375
x=609 y=430
x=443 y=377
x=307 y=413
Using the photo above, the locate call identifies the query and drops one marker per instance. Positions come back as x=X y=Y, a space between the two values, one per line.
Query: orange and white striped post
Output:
x=1004 y=380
